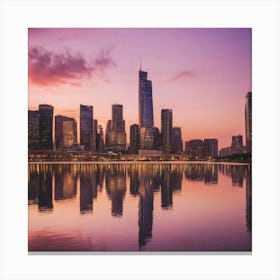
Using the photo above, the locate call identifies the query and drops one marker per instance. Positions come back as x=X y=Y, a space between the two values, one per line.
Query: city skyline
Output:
x=65 y=71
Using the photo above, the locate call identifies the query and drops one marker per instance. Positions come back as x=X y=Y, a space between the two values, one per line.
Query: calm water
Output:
x=139 y=207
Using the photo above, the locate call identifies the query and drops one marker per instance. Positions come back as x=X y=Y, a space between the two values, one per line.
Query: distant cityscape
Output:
x=145 y=141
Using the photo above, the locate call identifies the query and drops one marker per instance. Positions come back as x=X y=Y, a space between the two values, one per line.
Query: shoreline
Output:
x=141 y=162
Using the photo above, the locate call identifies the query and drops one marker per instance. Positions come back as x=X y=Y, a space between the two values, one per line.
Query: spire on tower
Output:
x=140 y=63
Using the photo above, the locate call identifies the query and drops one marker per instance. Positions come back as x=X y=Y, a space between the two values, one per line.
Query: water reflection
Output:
x=86 y=182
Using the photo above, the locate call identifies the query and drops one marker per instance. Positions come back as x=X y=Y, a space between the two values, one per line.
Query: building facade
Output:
x=33 y=130
x=45 y=127
x=65 y=132
x=86 y=127
x=115 y=131
x=211 y=148
x=177 y=143
x=146 y=113
x=134 y=139
x=237 y=144
x=166 y=129
x=195 y=149
x=248 y=122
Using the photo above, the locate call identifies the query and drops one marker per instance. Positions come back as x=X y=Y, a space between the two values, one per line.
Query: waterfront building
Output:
x=146 y=114
x=33 y=130
x=211 y=148
x=166 y=129
x=45 y=127
x=248 y=122
x=94 y=135
x=115 y=131
x=237 y=144
x=86 y=127
x=65 y=132
x=100 y=139
x=134 y=139
x=177 y=143
x=195 y=148
x=157 y=138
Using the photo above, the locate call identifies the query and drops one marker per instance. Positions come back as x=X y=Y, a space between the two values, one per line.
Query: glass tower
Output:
x=146 y=113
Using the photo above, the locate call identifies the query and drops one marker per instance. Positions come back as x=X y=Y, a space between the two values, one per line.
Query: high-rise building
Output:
x=195 y=148
x=86 y=127
x=115 y=131
x=146 y=113
x=65 y=132
x=157 y=138
x=248 y=122
x=166 y=129
x=177 y=143
x=94 y=135
x=100 y=139
x=134 y=139
x=33 y=130
x=211 y=147
x=45 y=127
x=237 y=144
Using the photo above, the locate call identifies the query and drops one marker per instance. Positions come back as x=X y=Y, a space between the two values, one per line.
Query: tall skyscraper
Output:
x=45 y=127
x=100 y=139
x=65 y=132
x=248 y=122
x=33 y=130
x=146 y=113
x=115 y=131
x=134 y=139
x=211 y=147
x=86 y=126
x=177 y=143
x=94 y=135
x=166 y=129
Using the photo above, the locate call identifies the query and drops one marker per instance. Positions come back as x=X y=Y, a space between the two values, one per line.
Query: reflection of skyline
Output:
x=145 y=207
x=55 y=183
x=116 y=188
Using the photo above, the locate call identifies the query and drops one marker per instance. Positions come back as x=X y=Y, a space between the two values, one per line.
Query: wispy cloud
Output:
x=47 y=68
x=183 y=74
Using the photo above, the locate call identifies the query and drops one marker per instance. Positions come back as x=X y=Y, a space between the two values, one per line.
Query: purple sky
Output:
x=203 y=74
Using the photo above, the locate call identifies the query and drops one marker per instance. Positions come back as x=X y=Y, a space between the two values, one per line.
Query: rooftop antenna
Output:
x=140 y=63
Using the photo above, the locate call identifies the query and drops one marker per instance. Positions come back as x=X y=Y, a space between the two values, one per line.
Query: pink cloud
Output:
x=183 y=74
x=47 y=68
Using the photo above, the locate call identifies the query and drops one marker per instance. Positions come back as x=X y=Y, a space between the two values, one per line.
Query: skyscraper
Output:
x=115 y=131
x=211 y=147
x=237 y=144
x=45 y=127
x=177 y=143
x=33 y=130
x=134 y=139
x=146 y=114
x=65 y=132
x=166 y=129
x=86 y=126
x=248 y=122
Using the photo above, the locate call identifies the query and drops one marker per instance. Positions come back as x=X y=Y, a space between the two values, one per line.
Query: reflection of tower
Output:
x=166 y=190
x=237 y=174
x=86 y=190
x=45 y=188
x=116 y=187
x=211 y=174
x=176 y=178
x=145 y=208
x=65 y=182
x=249 y=202
x=146 y=113
x=33 y=182
x=134 y=179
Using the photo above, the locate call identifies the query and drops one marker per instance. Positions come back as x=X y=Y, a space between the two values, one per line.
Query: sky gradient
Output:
x=202 y=74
